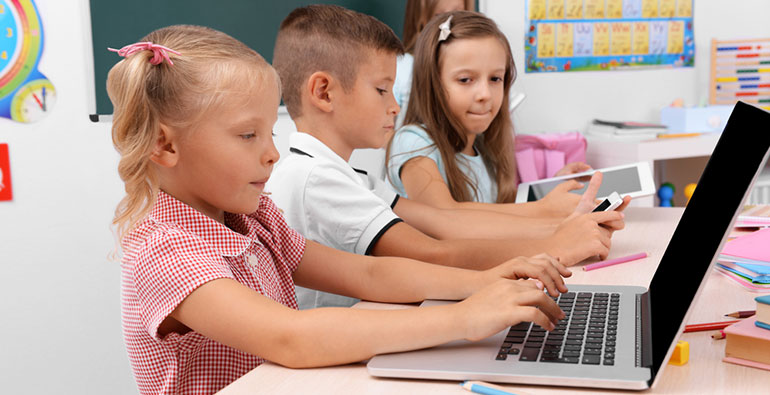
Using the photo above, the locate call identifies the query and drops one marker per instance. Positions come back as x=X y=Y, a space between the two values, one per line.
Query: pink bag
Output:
x=542 y=155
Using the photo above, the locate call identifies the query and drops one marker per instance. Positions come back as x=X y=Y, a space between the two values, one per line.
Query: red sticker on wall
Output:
x=5 y=174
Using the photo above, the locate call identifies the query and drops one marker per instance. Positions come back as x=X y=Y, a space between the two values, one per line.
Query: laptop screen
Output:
x=737 y=159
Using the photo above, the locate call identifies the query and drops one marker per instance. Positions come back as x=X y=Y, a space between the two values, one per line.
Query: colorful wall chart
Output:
x=740 y=70
x=26 y=95
x=589 y=35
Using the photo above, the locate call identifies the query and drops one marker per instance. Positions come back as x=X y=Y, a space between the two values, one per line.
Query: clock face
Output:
x=10 y=39
x=33 y=101
x=25 y=94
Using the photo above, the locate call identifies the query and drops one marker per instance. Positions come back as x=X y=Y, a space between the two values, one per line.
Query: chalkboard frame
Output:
x=115 y=24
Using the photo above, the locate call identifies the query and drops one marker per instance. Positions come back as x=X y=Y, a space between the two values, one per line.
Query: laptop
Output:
x=615 y=336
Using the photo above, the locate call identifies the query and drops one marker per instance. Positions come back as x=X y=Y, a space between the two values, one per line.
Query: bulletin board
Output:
x=593 y=35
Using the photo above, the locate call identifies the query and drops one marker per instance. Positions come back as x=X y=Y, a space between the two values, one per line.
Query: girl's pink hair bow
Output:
x=159 y=52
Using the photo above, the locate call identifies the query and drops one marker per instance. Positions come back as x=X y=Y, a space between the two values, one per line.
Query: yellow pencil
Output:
x=674 y=135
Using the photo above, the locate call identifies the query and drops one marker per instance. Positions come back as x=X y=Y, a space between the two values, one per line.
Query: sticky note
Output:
x=564 y=40
x=620 y=43
x=667 y=8
x=684 y=8
x=614 y=9
x=594 y=9
x=583 y=33
x=601 y=39
x=649 y=8
x=675 y=37
x=574 y=9
x=632 y=9
x=641 y=38
x=555 y=9
x=536 y=9
x=545 y=40
x=658 y=37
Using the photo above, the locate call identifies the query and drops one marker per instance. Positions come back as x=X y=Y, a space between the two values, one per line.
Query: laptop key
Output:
x=514 y=351
x=570 y=360
x=609 y=362
x=570 y=353
x=591 y=359
x=529 y=354
x=501 y=357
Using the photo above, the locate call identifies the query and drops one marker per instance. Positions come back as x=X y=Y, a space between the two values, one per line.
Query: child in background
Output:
x=209 y=263
x=418 y=13
x=456 y=148
x=337 y=68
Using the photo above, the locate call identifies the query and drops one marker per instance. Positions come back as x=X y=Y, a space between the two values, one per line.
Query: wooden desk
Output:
x=647 y=229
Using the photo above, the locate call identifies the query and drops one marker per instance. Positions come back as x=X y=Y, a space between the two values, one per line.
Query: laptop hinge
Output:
x=643 y=331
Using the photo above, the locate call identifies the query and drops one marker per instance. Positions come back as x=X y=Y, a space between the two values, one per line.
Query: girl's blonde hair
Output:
x=417 y=15
x=428 y=106
x=210 y=64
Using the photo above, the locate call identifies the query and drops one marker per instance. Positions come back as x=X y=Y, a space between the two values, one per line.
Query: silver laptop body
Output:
x=648 y=321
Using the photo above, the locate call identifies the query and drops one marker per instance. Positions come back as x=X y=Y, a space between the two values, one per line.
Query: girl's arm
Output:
x=423 y=183
x=235 y=315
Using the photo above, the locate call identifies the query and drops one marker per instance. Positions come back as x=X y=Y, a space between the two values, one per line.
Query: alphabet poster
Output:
x=5 y=174
x=591 y=35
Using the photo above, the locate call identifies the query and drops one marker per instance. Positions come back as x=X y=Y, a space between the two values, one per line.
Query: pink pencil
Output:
x=610 y=262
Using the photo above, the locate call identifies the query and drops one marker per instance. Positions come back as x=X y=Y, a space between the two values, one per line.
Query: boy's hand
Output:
x=506 y=303
x=543 y=268
x=588 y=202
x=585 y=234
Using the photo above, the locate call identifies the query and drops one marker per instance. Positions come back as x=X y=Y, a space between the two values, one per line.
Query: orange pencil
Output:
x=709 y=326
x=674 y=135
x=741 y=314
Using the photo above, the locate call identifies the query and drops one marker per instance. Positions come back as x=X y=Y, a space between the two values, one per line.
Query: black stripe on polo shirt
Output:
x=360 y=171
x=298 y=151
x=380 y=233
x=395 y=200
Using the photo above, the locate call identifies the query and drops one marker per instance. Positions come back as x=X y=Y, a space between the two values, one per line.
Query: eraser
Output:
x=681 y=354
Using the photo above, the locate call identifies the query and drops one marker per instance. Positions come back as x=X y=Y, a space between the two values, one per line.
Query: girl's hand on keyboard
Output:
x=506 y=303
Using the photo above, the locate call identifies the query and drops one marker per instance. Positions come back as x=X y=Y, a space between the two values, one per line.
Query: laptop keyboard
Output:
x=587 y=335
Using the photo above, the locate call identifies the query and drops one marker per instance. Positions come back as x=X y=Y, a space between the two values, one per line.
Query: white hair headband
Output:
x=444 y=27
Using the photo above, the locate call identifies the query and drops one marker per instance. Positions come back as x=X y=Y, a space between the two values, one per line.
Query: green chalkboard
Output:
x=254 y=22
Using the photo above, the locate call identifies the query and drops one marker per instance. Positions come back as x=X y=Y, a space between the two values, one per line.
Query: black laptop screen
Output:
x=738 y=156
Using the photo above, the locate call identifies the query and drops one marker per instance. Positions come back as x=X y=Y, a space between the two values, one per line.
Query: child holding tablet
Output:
x=456 y=148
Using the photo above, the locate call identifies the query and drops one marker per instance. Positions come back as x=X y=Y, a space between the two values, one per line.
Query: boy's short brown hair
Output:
x=326 y=38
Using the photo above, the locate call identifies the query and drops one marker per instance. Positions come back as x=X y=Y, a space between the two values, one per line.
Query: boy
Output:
x=337 y=69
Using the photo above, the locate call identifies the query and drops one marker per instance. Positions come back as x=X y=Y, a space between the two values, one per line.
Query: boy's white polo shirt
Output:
x=328 y=201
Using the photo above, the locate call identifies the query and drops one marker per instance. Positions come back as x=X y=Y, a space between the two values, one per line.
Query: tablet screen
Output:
x=622 y=181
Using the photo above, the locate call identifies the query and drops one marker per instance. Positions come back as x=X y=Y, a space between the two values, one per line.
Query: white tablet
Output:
x=633 y=179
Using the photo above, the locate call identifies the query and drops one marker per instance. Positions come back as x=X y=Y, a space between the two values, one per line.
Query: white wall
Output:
x=569 y=101
x=59 y=299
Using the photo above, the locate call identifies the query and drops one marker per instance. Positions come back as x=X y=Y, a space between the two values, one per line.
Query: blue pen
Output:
x=483 y=388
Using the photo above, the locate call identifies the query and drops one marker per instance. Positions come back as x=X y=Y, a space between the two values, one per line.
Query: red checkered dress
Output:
x=177 y=249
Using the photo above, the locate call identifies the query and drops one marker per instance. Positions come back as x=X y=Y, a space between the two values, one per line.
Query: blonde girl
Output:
x=209 y=265
x=456 y=148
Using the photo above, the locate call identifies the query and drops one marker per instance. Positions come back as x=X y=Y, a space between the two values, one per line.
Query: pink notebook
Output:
x=747 y=328
x=754 y=246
